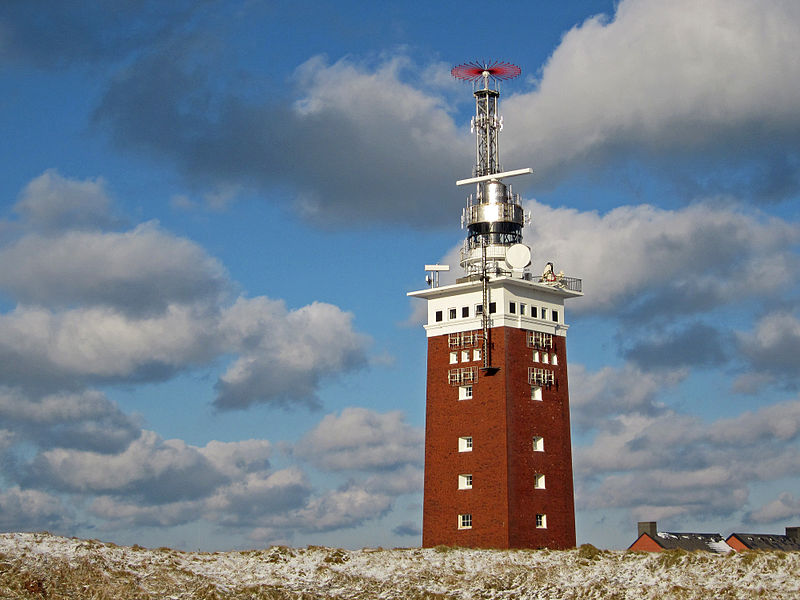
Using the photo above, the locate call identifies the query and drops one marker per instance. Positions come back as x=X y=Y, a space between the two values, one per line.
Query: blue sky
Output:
x=212 y=212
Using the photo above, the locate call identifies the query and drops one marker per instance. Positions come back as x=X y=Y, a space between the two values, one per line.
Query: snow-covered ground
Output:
x=42 y=565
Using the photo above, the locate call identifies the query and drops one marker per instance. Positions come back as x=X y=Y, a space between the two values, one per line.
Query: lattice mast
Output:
x=493 y=215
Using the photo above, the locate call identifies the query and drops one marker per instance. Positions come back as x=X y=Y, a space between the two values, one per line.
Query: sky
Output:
x=212 y=213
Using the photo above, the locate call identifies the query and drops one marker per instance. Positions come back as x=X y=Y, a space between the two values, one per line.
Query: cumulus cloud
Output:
x=671 y=78
x=51 y=202
x=285 y=354
x=97 y=307
x=362 y=439
x=22 y=510
x=772 y=349
x=784 y=508
x=85 y=420
x=669 y=464
x=349 y=143
x=647 y=262
x=139 y=272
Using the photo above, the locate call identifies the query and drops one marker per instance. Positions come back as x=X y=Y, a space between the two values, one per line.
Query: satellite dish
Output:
x=518 y=256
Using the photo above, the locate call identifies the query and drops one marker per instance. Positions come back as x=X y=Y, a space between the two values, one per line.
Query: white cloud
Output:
x=141 y=271
x=772 y=349
x=667 y=463
x=362 y=439
x=641 y=255
x=667 y=77
x=22 y=510
x=285 y=354
x=784 y=508
x=52 y=202
x=86 y=420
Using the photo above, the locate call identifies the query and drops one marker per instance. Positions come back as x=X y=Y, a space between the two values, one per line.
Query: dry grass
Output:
x=54 y=568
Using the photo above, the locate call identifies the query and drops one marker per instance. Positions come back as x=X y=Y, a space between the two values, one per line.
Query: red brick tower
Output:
x=498 y=458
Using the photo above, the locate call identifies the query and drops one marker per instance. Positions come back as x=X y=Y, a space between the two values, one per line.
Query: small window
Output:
x=465 y=356
x=465 y=444
x=522 y=308
x=453 y=358
x=544 y=313
x=538 y=481
x=452 y=312
x=536 y=392
x=465 y=482
x=465 y=392
x=465 y=312
x=554 y=359
x=492 y=307
x=538 y=443
x=476 y=354
x=478 y=309
x=541 y=521
x=555 y=315
x=438 y=316
x=465 y=521
x=536 y=356
x=533 y=311
x=545 y=358
x=512 y=308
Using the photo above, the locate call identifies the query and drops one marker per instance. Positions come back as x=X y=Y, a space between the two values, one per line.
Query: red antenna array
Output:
x=474 y=70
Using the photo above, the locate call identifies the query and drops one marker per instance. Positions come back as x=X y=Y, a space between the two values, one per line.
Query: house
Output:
x=765 y=541
x=652 y=540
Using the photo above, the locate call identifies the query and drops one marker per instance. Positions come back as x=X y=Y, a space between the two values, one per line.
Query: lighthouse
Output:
x=498 y=456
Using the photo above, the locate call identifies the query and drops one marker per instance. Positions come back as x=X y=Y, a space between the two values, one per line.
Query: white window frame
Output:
x=522 y=309
x=541 y=521
x=538 y=481
x=536 y=393
x=538 y=443
x=452 y=313
x=554 y=359
x=465 y=481
x=543 y=315
x=465 y=443
x=465 y=356
x=465 y=521
x=512 y=308
x=453 y=358
x=464 y=392
x=536 y=356
x=476 y=354
x=545 y=358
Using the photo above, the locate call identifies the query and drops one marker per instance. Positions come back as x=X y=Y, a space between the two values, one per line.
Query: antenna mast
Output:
x=493 y=215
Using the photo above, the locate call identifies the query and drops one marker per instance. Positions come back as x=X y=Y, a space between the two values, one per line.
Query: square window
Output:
x=478 y=309
x=536 y=356
x=536 y=392
x=465 y=356
x=541 y=521
x=492 y=307
x=465 y=312
x=465 y=392
x=452 y=312
x=476 y=354
x=544 y=313
x=465 y=444
x=465 y=521
x=538 y=481
x=522 y=309
x=465 y=481
x=453 y=358
x=512 y=308
x=555 y=315
x=438 y=316
x=533 y=311
x=538 y=443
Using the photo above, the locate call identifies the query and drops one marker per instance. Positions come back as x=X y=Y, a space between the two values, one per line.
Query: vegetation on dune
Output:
x=45 y=566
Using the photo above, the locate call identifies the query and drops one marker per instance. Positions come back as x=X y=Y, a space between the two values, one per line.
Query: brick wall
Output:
x=502 y=419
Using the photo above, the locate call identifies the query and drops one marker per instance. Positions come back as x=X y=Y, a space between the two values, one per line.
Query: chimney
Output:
x=651 y=528
x=793 y=533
